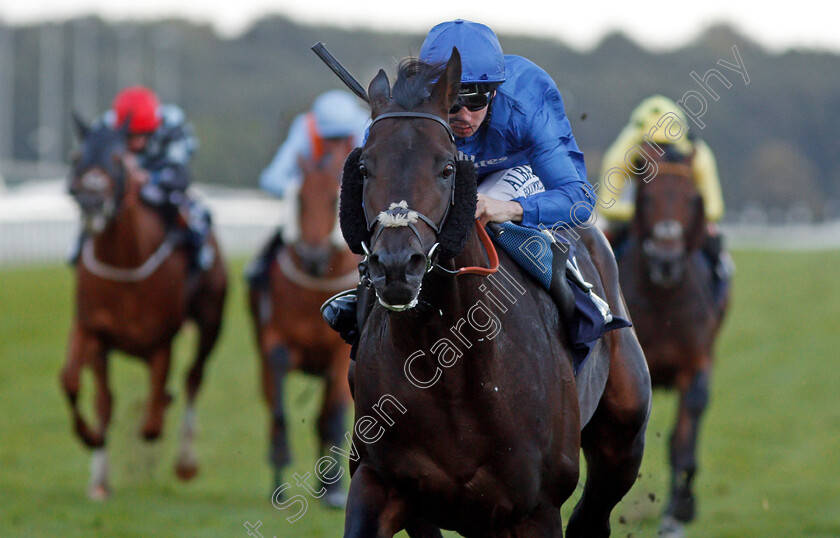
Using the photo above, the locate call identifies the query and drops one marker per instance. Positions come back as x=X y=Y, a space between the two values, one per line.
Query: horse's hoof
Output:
x=99 y=492
x=151 y=433
x=682 y=506
x=671 y=528
x=334 y=499
x=186 y=470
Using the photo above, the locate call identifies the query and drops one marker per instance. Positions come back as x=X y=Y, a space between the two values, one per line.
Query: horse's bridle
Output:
x=403 y=211
x=119 y=176
x=666 y=230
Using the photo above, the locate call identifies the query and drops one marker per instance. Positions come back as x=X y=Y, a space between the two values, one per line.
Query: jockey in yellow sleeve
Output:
x=643 y=120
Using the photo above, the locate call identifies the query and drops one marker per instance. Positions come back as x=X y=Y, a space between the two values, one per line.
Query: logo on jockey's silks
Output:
x=480 y=164
x=518 y=176
x=522 y=180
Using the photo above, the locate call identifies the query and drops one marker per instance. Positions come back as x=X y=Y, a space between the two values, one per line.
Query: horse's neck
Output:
x=131 y=238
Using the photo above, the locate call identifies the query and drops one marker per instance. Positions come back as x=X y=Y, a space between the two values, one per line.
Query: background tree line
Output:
x=776 y=139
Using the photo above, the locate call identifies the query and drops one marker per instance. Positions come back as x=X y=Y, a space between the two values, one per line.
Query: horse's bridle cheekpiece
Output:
x=399 y=214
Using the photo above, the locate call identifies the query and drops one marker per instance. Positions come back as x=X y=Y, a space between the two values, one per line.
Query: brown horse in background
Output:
x=290 y=332
x=467 y=413
x=133 y=293
x=667 y=282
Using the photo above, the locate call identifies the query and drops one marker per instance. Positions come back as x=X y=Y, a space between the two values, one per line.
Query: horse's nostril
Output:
x=416 y=264
x=374 y=266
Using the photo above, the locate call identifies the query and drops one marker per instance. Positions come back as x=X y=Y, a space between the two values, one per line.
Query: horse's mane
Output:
x=414 y=82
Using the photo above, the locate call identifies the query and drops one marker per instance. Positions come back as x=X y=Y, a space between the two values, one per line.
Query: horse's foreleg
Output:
x=209 y=323
x=331 y=420
x=186 y=464
x=98 y=487
x=613 y=440
x=543 y=522
x=694 y=396
x=82 y=349
x=208 y=317
x=158 y=397
x=274 y=375
x=373 y=510
x=420 y=528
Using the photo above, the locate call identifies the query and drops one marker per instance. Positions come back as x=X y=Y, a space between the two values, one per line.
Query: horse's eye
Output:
x=448 y=171
x=363 y=171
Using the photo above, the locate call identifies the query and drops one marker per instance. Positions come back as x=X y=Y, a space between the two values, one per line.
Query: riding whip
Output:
x=345 y=76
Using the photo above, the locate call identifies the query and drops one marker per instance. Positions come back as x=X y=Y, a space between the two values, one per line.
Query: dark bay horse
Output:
x=291 y=335
x=667 y=282
x=133 y=293
x=466 y=406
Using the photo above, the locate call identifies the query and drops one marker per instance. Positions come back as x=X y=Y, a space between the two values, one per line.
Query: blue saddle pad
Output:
x=531 y=250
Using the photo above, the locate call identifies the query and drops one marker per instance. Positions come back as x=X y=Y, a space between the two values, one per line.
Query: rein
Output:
x=492 y=256
x=120 y=274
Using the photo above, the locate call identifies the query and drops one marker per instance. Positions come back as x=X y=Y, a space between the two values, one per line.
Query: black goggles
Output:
x=472 y=100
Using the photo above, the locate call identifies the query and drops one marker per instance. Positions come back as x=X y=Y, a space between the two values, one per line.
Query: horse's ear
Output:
x=122 y=129
x=81 y=127
x=445 y=90
x=379 y=93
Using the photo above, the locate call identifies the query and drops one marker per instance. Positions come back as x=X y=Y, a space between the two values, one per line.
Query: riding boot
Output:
x=76 y=249
x=347 y=311
x=721 y=263
x=559 y=290
x=257 y=271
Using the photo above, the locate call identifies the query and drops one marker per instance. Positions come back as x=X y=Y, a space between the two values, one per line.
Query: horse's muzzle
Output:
x=666 y=262
x=96 y=210
x=314 y=259
x=397 y=277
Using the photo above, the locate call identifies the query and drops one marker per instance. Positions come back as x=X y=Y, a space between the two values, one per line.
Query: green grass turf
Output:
x=768 y=447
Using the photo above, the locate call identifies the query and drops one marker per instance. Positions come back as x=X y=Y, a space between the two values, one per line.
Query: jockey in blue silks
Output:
x=509 y=120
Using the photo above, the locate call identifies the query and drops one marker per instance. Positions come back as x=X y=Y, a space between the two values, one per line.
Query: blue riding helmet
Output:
x=338 y=114
x=482 y=60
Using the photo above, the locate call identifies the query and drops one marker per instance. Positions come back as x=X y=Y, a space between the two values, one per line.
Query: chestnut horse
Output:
x=667 y=282
x=133 y=293
x=467 y=414
x=291 y=335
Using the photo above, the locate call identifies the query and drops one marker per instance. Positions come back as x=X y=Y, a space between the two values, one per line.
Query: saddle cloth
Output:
x=531 y=250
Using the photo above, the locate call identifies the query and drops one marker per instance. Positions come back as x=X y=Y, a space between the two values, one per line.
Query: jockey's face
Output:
x=465 y=122
x=338 y=142
x=137 y=142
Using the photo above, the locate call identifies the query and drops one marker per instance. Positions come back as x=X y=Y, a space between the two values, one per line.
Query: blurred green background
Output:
x=768 y=446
